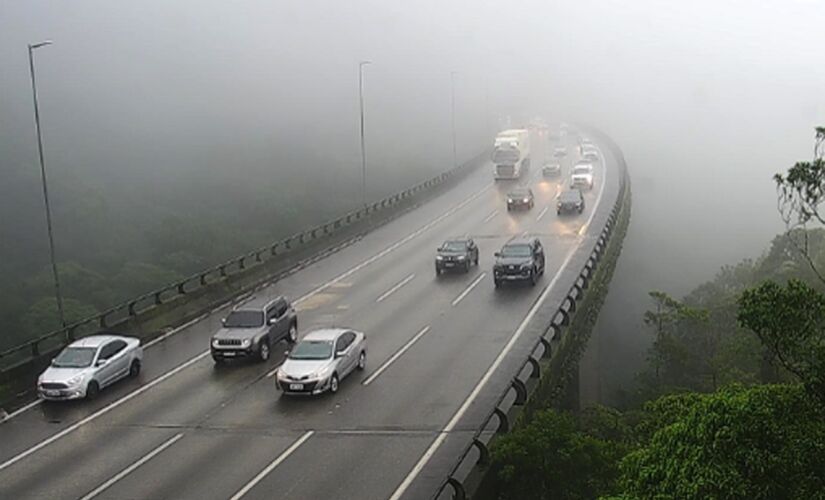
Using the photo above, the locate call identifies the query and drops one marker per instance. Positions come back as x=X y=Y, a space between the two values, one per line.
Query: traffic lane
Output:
x=54 y=474
x=344 y=466
x=40 y=422
x=204 y=464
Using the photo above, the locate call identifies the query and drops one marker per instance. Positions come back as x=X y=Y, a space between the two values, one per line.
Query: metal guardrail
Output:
x=51 y=341
x=541 y=349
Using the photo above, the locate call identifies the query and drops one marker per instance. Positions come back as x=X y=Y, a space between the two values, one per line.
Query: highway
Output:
x=187 y=429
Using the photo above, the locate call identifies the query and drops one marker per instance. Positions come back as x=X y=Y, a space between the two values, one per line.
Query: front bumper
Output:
x=305 y=387
x=512 y=274
x=233 y=352
x=568 y=208
x=518 y=204
x=61 y=394
x=443 y=265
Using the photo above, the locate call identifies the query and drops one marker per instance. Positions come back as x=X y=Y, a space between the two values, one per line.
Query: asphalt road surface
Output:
x=187 y=429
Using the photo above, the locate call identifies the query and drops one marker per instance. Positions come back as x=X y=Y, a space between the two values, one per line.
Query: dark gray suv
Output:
x=250 y=330
x=520 y=259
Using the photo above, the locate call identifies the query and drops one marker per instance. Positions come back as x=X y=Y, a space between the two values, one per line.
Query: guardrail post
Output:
x=503 y=421
x=242 y=262
x=203 y=279
x=70 y=333
x=572 y=302
x=565 y=318
x=548 y=348
x=521 y=391
x=102 y=321
x=35 y=349
x=181 y=289
x=535 y=371
x=483 y=452
x=258 y=257
x=131 y=308
x=274 y=250
x=458 y=489
x=158 y=300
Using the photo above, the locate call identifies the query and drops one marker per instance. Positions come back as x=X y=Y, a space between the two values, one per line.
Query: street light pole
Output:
x=57 y=293
x=452 y=115
x=363 y=148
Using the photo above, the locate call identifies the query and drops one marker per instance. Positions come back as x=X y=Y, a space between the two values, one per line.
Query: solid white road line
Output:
x=395 y=288
x=21 y=410
x=269 y=468
x=419 y=466
x=402 y=488
x=490 y=217
x=273 y=371
x=106 y=409
x=200 y=356
x=397 y=355
x=541 y=214
x=469 y=289
x=128 y=470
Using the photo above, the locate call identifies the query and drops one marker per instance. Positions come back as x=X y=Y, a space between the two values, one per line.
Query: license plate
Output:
x=296 y=387
x=448 y=264
x=53 y=393
x=228 y=354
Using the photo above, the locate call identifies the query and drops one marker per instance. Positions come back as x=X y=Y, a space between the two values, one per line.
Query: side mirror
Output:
x=51 y=362
x=497 y=254
x=339 y=354
x=101 y=362
x=223 y=321
x=271 y=321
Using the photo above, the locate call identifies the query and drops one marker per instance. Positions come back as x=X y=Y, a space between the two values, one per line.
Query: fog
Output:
x=209 y=109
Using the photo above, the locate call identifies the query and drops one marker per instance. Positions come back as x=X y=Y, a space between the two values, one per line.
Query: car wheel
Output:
x=218 y=361
x=533 y=277
x=437 y=271
x=292 y=335
x=134 y=368
x=333 y=383
x=497 y=283
x=466 y=267
x=362 y=361
x=263 y=349
x=92 y=390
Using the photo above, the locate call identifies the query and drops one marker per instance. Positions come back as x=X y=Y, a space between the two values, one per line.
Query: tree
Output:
x=801 y=193
x=790 y=322
x=765 y=442
x=552 y=458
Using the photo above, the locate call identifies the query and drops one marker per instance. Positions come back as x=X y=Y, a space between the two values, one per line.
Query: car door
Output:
x=344 y=345
x=281 y=319
x=271 y=314
x=119 y=359
x=104 y=368
x=539 y=256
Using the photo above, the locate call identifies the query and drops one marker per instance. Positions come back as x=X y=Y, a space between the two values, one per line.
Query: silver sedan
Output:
x=321 y=360
x=88 y=365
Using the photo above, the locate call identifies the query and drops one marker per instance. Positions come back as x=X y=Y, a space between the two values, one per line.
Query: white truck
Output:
x=511 y=153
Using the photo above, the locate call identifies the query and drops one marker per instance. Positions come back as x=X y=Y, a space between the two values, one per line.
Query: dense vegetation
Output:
x=731 y=401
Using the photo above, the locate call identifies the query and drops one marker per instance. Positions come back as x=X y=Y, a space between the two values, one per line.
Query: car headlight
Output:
x=462 y=257
x=215 y=343
x=509 y=200
x=525 y=200
x=439 y=257
x=75 y=380
x=246 y=343
x=558 y=204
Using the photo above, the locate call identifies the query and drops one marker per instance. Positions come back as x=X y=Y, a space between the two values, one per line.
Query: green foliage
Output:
x=553 y=457
x=765 y=442
x=137 y=278
x=42 y=316
x=790 y=322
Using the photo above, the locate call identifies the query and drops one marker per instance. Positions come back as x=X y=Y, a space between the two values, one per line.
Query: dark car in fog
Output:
x=459 y=253
x=520 y=198
x=570 y=201
x=520 y=259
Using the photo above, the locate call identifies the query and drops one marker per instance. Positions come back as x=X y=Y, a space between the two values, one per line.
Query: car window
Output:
x=280 y=307
x=111 y=349
x=341 y=344
x=272 y=312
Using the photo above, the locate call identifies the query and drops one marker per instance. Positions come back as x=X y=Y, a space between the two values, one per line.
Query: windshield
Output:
x=75 y=357
x=244 y=319
x=312 y=349
x=519 y=194
x=516 y=251
x=581 y=170
x=570 y=196
x=454 y=246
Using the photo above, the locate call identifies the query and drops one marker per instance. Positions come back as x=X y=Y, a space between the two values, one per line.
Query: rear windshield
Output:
x=570 y=196
x=312 y=349
x=244 y=319
x=519 y=193
x=582 y=169
x=516 y=251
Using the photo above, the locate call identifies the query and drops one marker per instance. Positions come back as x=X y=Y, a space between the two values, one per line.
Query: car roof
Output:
x=569 y=193
x=257 y=303
x=460 y=239
x=97 y=340
x=325 y=334
x=520 y=190
x=583 y=165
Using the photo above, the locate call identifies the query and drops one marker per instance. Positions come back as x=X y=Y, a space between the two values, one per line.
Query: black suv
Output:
x=458 y=253
x=570 y=201
x=250 y=330
x=520 y=198
x=520 y=259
